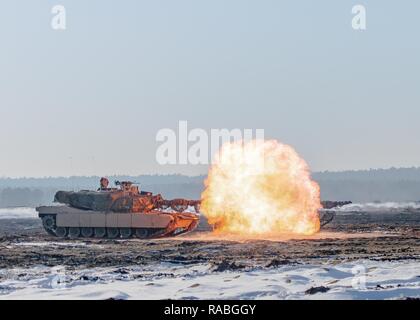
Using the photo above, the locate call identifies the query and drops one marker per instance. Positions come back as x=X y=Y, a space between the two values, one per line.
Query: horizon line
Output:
x=192 y=176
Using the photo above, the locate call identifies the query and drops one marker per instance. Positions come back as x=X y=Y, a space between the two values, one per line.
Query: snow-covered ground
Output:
x=379 y=207
x=355 y=280
x=312 y=279
x=18 y=213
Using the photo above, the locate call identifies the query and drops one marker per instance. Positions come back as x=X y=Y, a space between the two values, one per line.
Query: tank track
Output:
x=49 y=224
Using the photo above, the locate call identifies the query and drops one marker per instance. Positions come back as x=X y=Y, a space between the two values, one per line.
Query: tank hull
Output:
x=66 y=221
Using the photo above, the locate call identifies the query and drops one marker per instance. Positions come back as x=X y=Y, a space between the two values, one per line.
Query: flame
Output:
x=261 y=188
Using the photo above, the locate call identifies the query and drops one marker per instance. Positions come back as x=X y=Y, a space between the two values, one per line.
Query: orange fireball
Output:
x=261 y=188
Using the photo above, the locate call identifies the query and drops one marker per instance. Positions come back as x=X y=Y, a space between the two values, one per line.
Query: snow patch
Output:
x=364 y=279
x=379 y=207
x=18 y=213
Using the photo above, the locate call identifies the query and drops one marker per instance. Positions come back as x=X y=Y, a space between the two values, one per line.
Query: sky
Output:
x=89 y=100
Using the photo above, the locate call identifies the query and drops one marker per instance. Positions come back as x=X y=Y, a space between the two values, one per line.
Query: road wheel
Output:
x=100 y=232
x=48 y=222
x=87 y=232
x=61 y=232
x=142 y=233
x=74 y=232
x=112 y=233
x=153 y=233
x=126 y=233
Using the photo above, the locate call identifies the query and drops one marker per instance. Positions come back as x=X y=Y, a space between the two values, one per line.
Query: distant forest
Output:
x=395 y=184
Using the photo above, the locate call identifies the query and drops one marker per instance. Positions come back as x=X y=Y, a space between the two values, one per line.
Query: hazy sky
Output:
x=90 y=99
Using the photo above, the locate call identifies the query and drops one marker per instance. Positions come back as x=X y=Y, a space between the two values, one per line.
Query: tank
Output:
x=121 y=212
x=328 y=214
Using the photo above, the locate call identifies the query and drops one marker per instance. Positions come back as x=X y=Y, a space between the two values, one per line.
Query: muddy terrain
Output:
x=351 y=236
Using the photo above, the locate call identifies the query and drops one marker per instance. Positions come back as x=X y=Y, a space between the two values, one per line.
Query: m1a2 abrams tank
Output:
x=121 y=212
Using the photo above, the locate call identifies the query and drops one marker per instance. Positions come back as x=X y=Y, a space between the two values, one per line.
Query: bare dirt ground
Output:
x=351 y=236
